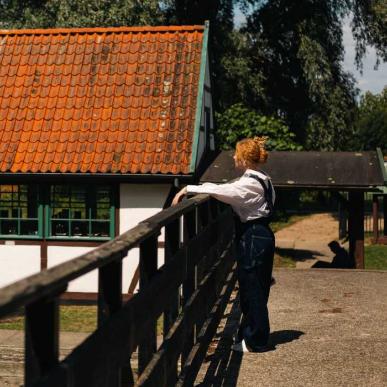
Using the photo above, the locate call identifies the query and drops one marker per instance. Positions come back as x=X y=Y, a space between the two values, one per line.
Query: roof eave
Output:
x=199 y=100
x=113 y=177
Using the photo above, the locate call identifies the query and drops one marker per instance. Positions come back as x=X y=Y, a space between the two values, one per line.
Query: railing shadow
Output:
x=224 y=366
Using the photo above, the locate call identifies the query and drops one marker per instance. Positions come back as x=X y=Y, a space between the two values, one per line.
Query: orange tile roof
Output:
x=99 y=100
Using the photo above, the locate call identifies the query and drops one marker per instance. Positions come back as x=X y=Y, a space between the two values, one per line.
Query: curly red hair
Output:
x=251 y=150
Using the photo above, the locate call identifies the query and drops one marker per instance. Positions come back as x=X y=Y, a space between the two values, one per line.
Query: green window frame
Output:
x=21 y=211
x=82 y=212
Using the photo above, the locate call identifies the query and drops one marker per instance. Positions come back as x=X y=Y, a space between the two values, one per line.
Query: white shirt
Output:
x=245 y=195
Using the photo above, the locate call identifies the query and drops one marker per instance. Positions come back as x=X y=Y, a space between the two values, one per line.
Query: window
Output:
x=65 y=211
x=20 y=211
x=81 y=212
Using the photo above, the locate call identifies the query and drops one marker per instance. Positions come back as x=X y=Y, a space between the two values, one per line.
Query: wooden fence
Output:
x=190 y=291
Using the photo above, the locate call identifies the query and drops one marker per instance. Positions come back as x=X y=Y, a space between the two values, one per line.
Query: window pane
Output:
x=60 y=213
x=4 y=212
x=80 y=205
x=79 y=228
x=103 y=195
x=9 y=227
x=79 y=212
x=103 y=213
x=100 y=229
x=19 y=204
x=29 y=227
x=59 y=228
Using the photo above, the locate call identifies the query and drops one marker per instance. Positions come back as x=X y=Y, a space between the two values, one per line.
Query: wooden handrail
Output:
x=50 y=281
x=190 y=290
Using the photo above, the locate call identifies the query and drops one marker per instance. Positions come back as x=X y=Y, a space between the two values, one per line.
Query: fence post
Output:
x=109 y=290
x=172 y=245
x=189 y=285
x=110 y=302
x=375 y=217
x=41 y=339
x=356 y=228
x=148 y=268
x=342 y=220
x=385 y=215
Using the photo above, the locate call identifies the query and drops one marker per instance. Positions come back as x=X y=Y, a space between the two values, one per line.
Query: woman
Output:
x=252 y=197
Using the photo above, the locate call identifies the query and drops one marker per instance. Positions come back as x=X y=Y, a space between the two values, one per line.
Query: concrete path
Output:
x=12 y=353
x=309 y=238
x=329 y=328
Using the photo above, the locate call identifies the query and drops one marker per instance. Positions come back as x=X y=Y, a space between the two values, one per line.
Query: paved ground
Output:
x=309 y=238
x=329 y=328
x=12 y=353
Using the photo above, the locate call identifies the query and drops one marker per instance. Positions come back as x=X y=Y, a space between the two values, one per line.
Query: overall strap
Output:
x=268 y=192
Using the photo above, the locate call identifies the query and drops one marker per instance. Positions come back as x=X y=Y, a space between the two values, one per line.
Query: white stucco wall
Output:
x=140 y=201
x=60 y=254
x=17 y=262
x=137 y=203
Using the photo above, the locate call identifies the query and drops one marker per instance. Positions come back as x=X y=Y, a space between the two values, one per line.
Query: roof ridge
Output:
x=92 y=30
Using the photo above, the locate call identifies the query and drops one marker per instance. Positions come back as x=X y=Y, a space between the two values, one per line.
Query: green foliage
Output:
x=371 y=122
x=239 y=122
x=79 y=13
x=220 y=14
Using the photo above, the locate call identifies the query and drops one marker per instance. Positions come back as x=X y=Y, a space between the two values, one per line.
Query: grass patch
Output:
x=282 y=223
x=284 y=260
x=375 y=257
x=73 y=318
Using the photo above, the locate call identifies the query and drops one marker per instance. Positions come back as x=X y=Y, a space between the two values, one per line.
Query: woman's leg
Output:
x=255 y=269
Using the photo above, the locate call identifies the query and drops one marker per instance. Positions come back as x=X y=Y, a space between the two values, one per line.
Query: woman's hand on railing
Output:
x=179 y=196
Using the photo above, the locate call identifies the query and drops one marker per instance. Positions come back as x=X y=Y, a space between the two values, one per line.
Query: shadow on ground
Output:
x=224 y=364
x=297 y=254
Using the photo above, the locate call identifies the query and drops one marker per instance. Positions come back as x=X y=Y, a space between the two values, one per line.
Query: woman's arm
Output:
x=179 y=196
x=226 y=193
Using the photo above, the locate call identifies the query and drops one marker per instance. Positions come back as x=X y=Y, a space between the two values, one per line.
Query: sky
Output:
x=371 y=79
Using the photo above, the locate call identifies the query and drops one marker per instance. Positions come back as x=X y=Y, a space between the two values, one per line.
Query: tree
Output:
x=78 y=13
x=239 y=122
x=294 y=50
x=220 y=14
x=371 y=122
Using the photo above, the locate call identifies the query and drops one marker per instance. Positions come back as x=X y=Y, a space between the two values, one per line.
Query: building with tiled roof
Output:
x=97 y=127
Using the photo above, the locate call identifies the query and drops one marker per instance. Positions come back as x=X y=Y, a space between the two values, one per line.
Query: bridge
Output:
x=327 y=326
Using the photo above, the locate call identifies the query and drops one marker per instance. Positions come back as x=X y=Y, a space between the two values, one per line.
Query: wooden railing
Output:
x=190 y=291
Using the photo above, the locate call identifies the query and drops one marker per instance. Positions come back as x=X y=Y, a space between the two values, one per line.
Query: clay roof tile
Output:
x=99 y=99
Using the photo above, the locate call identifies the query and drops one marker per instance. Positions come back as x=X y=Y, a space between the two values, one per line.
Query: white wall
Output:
x=137 y=203
x=60 y=254
x=140 y=201
x=17 y=262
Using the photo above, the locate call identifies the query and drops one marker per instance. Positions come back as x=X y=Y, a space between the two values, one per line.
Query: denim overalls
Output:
x=255 y=253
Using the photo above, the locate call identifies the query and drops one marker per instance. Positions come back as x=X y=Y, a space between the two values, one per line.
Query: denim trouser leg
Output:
x=255 y=254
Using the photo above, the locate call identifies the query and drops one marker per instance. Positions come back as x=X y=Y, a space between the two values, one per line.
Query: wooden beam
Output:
x=356 y=228
x=41 y=339
x=385 y=214
x=375 y=217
